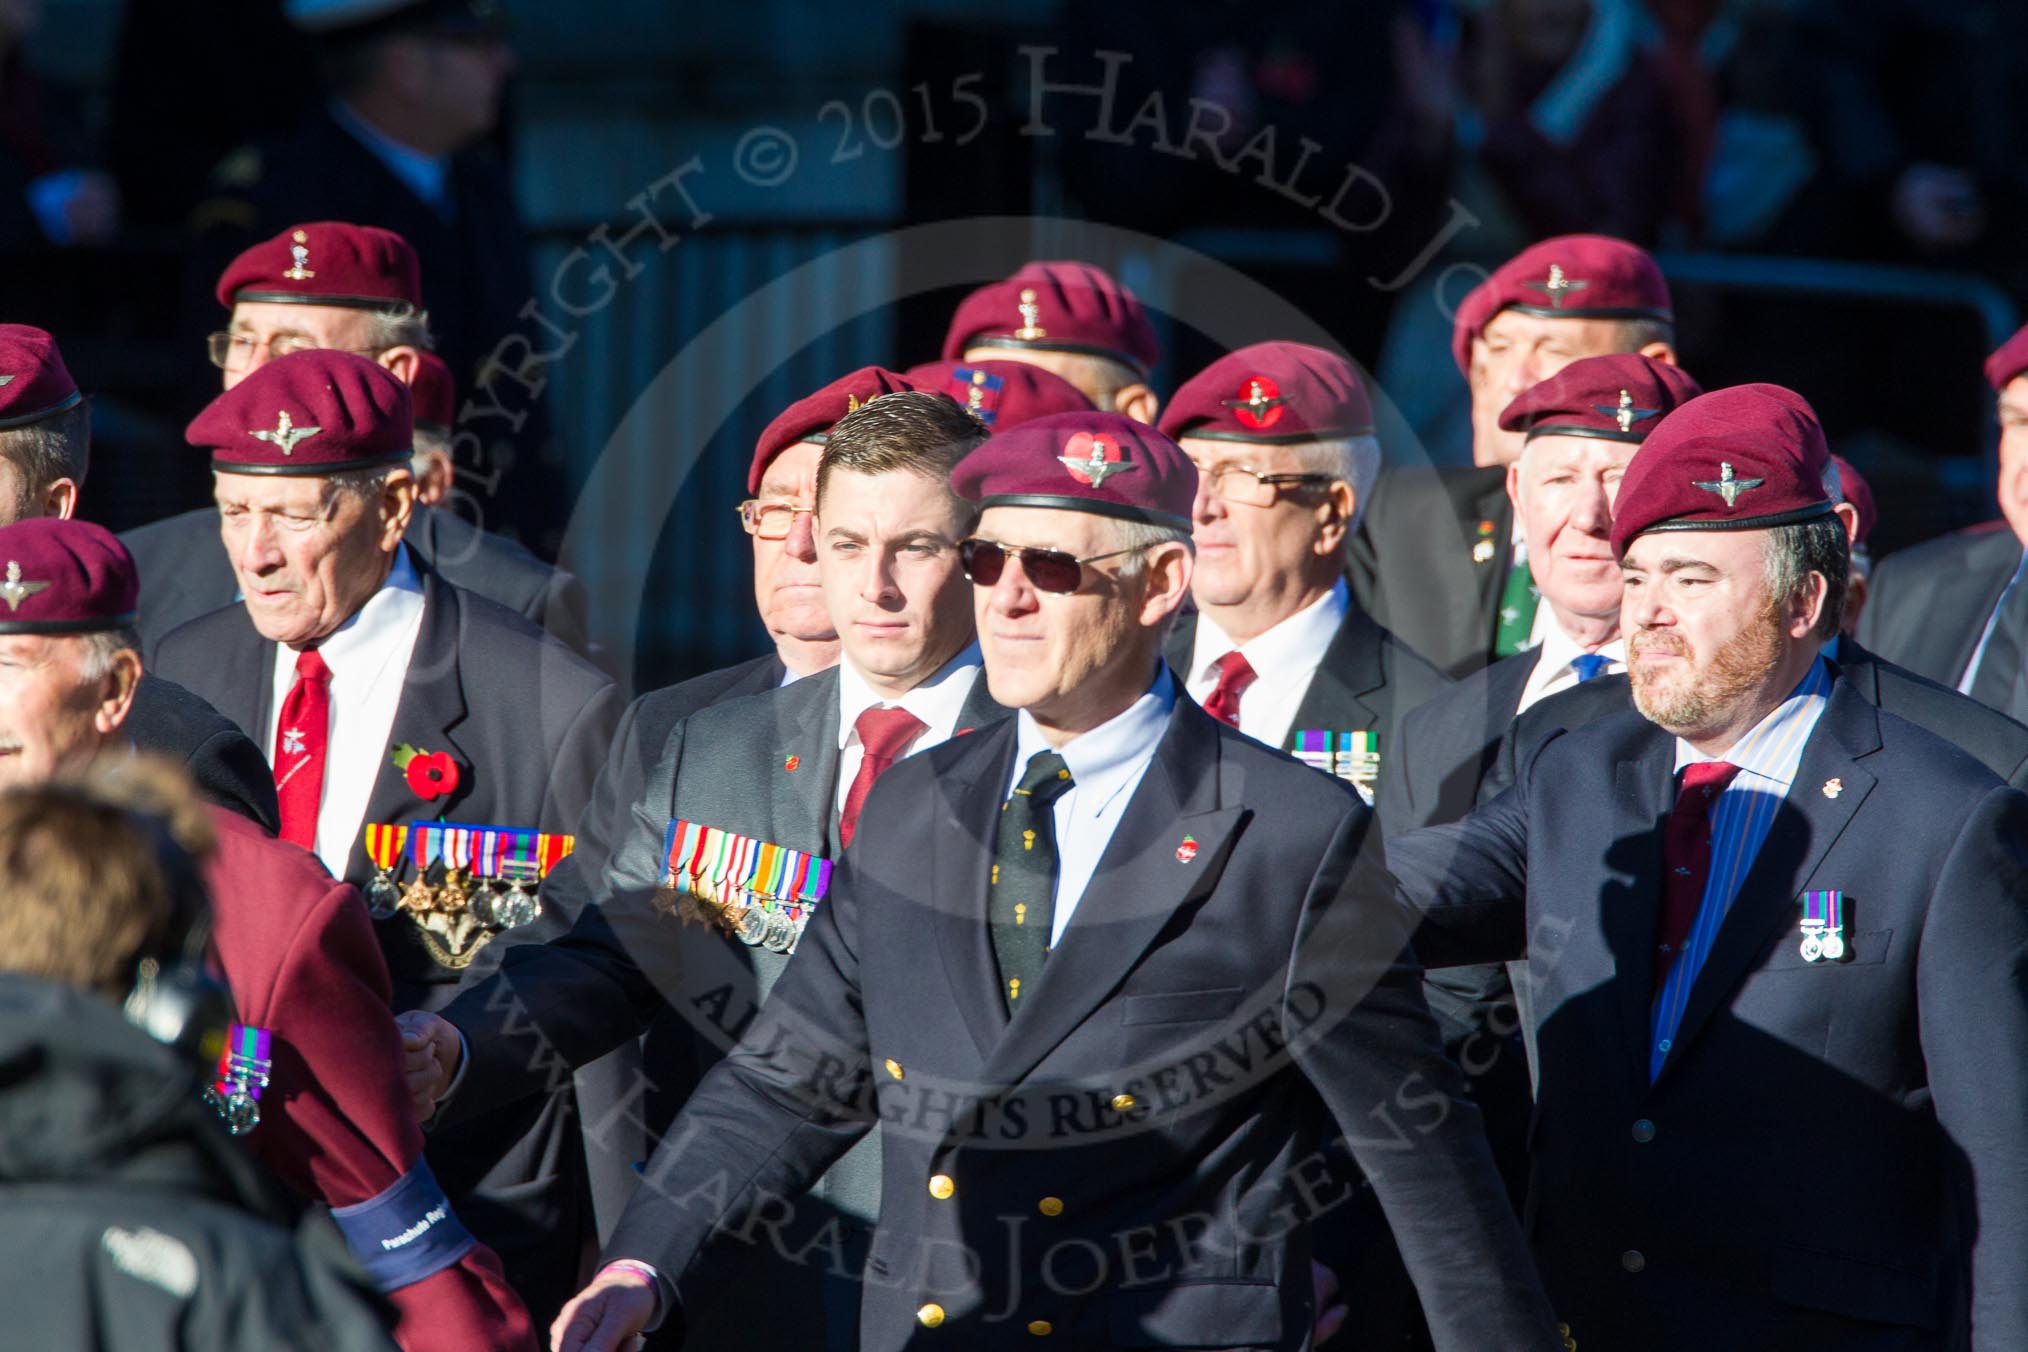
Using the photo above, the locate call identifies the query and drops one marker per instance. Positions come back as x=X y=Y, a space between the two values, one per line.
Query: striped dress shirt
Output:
x=1767 y=757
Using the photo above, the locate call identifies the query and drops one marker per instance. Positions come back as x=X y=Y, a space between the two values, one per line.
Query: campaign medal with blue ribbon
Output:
x=243 y=1070
x=756 y=891
x=1823 y=926
x=1352 y=756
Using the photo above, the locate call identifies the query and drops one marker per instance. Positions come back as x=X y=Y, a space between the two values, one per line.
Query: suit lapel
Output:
x=980 y=709
x=1349 y=672
x=961 y=858
x=805 y=736
x=1139 y=889
x=245 y=680
x=1643 y=795
x=1805 y=825
x=1964 y=609
x=1492 y=505
x=431 y=709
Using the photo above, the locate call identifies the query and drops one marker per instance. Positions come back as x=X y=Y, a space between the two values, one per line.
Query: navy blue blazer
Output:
x=1449 y=743
x=1833 y=1154
x=1164 y=1088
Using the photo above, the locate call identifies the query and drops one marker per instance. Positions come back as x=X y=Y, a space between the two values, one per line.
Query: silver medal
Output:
x=1833 y=945
x=383 y=898
x=1813 y=946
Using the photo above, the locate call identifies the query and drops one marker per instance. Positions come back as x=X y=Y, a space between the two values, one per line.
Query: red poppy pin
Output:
x=792 y=762
x=431 y=774
x=1187 y=851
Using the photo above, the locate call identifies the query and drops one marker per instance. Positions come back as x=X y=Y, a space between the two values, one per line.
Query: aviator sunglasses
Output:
x=1051 y=570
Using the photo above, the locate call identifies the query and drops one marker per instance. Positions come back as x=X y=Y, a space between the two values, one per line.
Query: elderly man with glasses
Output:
x=1282 y=437
x=335 y=286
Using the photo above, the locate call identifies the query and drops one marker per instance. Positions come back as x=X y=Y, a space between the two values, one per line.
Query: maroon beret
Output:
x=434 y=392
x=1000 y=394
x=315 y=412
x=34 y=382
x=64 y=577
x=1056 y=307
x=1860 y=494
x=1747 y=457
x=1087 y=462
x=1614 y=398
x=812 y=417
x=1271 y=392
x=2009 y=359
x=1569 y=277
x=327 y=263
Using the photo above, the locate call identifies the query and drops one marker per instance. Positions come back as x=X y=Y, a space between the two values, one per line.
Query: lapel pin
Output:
x=792 y=762
x=1482 y=550
x=1833 y=787
x=1187 y=851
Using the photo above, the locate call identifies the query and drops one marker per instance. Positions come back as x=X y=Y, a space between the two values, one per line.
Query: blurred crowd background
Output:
x=1835 y=188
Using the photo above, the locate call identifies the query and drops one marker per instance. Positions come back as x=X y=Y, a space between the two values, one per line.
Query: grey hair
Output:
x=57 y=447
x=1141 y=536
x=1795 y=551
x=1636 y=334
x=401 y=327
x=100 y=649
x=362 y=484
x=1356 y=460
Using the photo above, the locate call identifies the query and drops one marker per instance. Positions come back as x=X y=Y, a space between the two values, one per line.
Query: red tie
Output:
x=1235 y=674
x=885 y=735
x=301 y=735
x=1686 y=858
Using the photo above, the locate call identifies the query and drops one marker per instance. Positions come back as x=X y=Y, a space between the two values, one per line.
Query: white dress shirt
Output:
x=1284 y=660
x=368 y=656
x=1106 y=765
x=1553 y=670
x=937 y=702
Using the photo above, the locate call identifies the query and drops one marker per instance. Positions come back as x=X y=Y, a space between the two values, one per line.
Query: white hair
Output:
x=100 y=647
x=1356 y=460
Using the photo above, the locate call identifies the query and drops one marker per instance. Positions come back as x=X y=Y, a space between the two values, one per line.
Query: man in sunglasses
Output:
x=1282 y=437
x=1036 y=933
x=751 y=792
x=349 y=288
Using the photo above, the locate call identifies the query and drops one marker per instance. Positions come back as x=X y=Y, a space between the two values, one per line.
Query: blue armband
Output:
x=405 y=1234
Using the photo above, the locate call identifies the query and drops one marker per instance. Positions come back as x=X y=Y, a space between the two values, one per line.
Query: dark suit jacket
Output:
x=1453 y=740
x=1832 y=1154
x=1927 y=606
x=1993 y=739
x=1411 y=561
x=528 y=722
x=226 y=765
x=662 y=710
x=185 y=574
x=1100 y=1115
x=626 y=962
x=1367 y=681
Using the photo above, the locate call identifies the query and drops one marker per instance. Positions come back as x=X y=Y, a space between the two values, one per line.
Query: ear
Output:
x=1165 y=582
x=1849 y=514
x=1809 y=608
x=397 y=505
x=1514 y=487
x=1335 y=519
x=1138 y=402
x=433 y=476
x=59 y=500
x=1661 y=352
x=116 y=695
x=402 y=362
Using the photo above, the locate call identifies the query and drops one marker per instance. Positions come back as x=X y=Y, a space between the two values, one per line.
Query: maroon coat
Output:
x=336 y=1122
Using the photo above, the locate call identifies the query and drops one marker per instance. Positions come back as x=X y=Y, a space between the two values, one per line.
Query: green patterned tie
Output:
x=1516 y=621
x=1021 y=901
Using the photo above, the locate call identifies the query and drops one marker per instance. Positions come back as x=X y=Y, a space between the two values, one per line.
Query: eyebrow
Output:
x=1670 y=565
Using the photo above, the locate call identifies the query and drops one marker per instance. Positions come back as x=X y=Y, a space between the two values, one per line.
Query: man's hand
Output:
x=607 y=1316
x=1331 y=1313
x=431 y=1051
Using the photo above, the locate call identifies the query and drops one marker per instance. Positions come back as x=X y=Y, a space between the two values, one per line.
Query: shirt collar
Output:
x=1292 y=647
x=385 y=614
x=1113 y=754
x=936 y=701
x=1773 y=748
x=1560 y=649
x=422 y=174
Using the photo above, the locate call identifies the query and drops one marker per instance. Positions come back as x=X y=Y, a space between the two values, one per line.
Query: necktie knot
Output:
x=1588 y=665
x=311 y=666
x=1703 y=781
x=1046 y=779
x=886 y=733
x=1235 y=674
